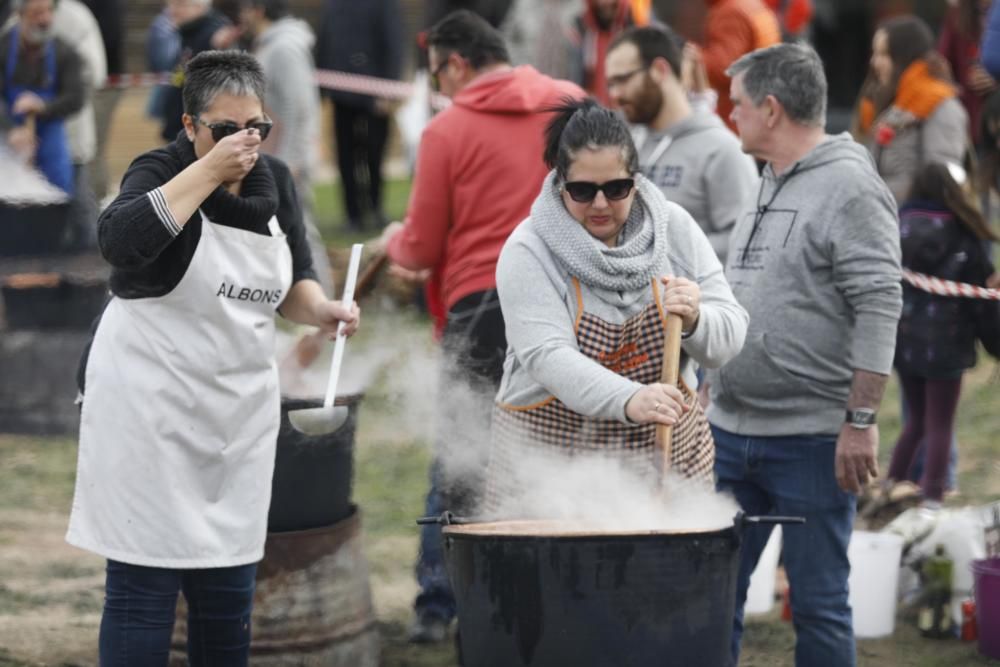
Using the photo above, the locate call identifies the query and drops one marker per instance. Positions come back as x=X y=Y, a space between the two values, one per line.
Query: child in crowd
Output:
x=942 y=235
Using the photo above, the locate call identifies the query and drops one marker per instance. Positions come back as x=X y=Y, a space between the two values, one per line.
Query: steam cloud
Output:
x=595 y=493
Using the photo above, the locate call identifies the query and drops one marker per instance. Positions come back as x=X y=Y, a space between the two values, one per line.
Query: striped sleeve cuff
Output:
x=159 y=203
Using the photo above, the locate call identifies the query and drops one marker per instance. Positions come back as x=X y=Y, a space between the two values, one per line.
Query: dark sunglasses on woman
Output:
x=584 y=192
x=226 y=128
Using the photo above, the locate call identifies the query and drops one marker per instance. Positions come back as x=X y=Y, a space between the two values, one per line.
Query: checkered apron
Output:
x=549 y=429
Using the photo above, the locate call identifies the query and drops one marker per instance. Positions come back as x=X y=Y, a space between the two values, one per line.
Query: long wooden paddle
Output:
x=669 y=374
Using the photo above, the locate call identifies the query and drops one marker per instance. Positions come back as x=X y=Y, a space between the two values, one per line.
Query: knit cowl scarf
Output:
x=640 y=255
x=257 y=201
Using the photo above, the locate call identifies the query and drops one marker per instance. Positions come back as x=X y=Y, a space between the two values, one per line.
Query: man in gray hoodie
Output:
x=815 y=260
x=283 y=45
x=693 y=157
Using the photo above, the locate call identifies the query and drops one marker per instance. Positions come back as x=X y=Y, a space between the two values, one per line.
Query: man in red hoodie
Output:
x=734 y=28
x=479 y=168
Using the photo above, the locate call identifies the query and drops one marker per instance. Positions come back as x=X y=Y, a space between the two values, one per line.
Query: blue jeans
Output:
x=435 y=598
x=140 y=604
x=794 y=475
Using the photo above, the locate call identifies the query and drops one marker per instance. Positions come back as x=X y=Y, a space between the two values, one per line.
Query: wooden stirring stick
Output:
x=669 y=373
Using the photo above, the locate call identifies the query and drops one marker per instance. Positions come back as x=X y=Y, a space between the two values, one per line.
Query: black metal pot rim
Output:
x=341 y=399
x=544 y=529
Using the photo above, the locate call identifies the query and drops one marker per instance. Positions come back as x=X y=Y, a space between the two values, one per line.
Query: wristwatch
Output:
x=861 y=418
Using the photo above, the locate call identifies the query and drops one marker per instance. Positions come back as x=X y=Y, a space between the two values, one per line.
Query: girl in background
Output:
x=942 y=235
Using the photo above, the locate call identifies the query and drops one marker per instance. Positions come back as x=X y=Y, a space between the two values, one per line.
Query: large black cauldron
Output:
x=547 y=595
x=313 y=475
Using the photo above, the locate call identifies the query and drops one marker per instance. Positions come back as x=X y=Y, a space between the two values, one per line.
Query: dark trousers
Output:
x=140 y=605
x=474 y=346
x=361 y=136
x=931 y=406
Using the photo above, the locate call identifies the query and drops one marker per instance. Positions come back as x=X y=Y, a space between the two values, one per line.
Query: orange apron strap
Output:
x=659 y=302
x=579 y=305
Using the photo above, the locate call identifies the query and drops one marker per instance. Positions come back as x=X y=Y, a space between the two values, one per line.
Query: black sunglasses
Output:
x=435 y=75
x=222 y=130
x=584 y=192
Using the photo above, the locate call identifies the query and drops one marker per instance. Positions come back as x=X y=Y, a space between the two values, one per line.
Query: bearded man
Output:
x=692 y=156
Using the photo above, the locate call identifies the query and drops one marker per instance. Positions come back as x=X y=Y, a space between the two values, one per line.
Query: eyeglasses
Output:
x=584 y=192
x=222 y=130
x=620 y=79
x=435 y=81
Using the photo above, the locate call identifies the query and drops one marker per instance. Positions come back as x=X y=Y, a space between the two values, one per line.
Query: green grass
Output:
x=37 y=474
x=332 y=220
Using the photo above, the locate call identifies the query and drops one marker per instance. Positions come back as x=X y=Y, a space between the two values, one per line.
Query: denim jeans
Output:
x=140 y=605
x=794 y=475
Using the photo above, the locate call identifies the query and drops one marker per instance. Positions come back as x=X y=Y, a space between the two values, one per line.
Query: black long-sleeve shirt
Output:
x=149 y=253
x=30 y=71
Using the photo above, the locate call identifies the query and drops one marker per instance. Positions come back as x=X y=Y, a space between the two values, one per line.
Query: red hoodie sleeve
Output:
x=421 y=243
x=727 y=37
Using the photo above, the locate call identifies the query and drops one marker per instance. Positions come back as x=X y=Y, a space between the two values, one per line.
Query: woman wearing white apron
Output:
x=181 y=403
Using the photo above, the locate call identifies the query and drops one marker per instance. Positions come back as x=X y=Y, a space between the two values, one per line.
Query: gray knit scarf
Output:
x=640 y=255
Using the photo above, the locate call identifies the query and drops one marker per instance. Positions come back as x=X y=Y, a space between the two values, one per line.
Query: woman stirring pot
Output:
x=182 y=406
x=585 y=284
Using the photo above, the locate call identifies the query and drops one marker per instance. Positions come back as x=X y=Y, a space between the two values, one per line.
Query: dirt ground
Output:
x=51 y=593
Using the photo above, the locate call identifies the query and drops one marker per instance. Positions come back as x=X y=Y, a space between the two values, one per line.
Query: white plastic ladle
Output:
x=329 y=418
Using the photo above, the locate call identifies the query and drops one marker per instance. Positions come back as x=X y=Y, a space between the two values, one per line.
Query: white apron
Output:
x=182 y=410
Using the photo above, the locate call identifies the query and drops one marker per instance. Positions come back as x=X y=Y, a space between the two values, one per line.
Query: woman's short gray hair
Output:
x=212 y=73
x=793 y=73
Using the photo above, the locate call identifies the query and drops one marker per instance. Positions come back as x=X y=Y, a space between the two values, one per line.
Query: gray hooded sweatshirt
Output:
x=816 y=263
x=292 y=98
x=699 y=165
x=539 y=302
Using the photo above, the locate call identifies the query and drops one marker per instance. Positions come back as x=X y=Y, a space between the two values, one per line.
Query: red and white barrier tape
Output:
x=943 y=287
x=328 y=79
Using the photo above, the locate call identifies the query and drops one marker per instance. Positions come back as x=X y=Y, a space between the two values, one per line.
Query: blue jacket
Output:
x=990 y=51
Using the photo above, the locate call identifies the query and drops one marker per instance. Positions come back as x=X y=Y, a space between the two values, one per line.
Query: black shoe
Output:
x=429 y=630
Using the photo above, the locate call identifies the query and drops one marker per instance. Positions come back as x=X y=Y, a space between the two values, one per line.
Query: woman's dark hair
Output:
x=934 y=183
x=470 y=36
x=580 y=124
x=909 y=39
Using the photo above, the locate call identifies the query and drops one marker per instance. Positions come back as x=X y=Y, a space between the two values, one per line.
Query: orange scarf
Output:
x=918 y=92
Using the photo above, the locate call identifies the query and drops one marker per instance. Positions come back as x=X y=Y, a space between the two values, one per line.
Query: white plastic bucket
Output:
x=874 y=581
x=760 y=594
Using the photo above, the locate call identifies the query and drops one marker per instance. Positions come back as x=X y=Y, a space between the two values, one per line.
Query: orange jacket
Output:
x=734 y=28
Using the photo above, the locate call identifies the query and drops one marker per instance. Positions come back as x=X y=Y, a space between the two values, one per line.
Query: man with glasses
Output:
x=479 y=167
x=693 y=158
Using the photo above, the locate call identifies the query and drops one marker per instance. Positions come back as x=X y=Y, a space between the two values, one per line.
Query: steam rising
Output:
x=594 y=492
